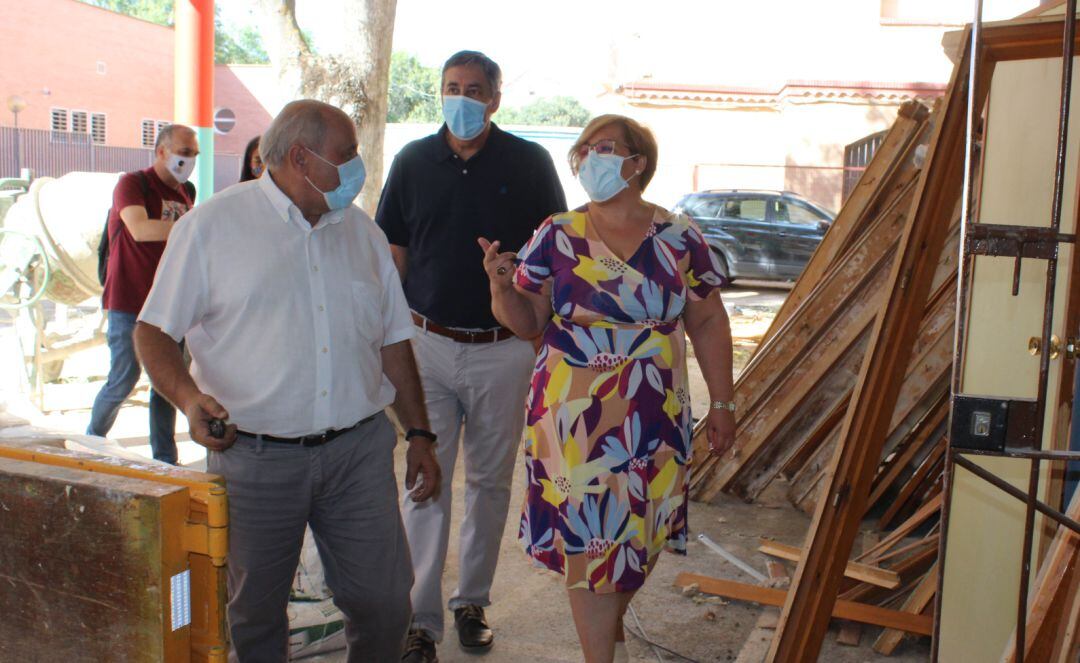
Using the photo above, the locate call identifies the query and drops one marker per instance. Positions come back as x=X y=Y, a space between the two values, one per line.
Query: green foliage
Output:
x=242 y=47
x=155 y=11
x=548 y=111
x=414 y=91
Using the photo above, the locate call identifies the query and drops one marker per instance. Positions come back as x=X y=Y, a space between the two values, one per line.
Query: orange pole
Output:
x=193 y=79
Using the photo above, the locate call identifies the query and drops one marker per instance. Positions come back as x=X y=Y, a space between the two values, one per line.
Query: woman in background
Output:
x=252 y=166
x=615 y=287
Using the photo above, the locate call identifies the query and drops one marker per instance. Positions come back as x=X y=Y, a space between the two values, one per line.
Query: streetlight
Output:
x=16 y=105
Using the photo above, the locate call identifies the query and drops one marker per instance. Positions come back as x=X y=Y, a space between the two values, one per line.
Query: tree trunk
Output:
x=356 y=79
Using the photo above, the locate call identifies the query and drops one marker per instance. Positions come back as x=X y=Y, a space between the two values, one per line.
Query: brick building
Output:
x=107 y=77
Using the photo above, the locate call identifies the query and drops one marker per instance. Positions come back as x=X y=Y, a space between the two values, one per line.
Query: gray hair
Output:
x=491 y=70
x=302 y=121
x=164 y=137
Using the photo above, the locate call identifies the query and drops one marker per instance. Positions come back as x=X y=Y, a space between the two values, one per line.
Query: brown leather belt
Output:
x=461 y=335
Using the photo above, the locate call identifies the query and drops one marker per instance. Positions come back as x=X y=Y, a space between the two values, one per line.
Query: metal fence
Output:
x=56 y=153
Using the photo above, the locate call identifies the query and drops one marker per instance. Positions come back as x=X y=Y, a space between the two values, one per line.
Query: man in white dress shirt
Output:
x=299 y=337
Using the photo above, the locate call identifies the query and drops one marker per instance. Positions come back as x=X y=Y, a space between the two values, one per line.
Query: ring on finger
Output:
x=500 y=271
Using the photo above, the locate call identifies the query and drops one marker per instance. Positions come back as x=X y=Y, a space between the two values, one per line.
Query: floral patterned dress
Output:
x=608 y=436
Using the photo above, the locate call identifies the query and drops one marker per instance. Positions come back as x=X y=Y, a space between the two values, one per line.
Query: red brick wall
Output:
x=51 y=49
x=251 y=118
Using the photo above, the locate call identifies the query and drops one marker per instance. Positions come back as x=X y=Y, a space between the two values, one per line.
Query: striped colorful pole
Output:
x=193 y=79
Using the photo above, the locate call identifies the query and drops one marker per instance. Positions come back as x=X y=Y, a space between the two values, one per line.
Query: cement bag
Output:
x=316 y=626
x=310 y=582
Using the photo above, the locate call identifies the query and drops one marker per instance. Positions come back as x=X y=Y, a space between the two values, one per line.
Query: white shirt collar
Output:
x=283 y=204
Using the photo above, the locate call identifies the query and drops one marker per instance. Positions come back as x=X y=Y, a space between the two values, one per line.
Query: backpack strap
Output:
x=189 y=188
x=145 y=183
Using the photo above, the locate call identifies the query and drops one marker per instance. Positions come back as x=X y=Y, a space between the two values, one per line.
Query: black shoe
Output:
x=472 y=628
x=419 y=648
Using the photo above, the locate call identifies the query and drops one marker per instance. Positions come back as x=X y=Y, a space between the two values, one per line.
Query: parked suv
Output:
x=758 y=234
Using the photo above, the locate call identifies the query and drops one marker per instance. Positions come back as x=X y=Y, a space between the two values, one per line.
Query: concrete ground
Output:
x=530 y=614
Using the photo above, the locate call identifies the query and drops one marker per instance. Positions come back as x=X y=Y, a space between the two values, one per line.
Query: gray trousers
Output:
x=480 y=387
x=347 y=492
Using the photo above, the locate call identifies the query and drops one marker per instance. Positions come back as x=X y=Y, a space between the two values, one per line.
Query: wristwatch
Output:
x=420 y=432
x=723 y=405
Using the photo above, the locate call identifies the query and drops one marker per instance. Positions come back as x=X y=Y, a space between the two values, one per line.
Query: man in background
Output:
x=469 y=180
x=146 y=205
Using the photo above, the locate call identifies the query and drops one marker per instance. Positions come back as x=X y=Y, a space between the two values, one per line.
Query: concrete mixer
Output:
x=48 y=255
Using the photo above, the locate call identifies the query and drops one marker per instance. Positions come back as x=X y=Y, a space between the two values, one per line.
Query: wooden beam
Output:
x=858 y=612
x=809 y=604
x=918 y=518
x=757 y=643
x=875 y=575
x=929 y=471
x=1058 y=576
x=915 y=603
x=1027 y=39
x=930 y=540
x=909 y=568
x=920 y=436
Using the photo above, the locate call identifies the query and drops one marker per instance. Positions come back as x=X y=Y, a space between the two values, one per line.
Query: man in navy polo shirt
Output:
x=469 y=180
x=146 y=204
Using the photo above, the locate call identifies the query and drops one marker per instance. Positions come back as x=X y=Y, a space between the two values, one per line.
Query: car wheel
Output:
x=725 y=271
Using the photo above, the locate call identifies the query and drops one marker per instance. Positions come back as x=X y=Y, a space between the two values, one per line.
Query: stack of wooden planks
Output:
x=794 y=394
x=846 y=401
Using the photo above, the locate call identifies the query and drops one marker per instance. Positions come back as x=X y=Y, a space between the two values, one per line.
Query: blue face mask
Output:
x=351 y=175
x=464 y=116
x=601 y=176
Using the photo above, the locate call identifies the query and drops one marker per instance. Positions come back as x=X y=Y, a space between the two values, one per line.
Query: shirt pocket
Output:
x=367 y=312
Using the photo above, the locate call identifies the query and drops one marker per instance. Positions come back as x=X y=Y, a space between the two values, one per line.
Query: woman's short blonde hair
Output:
x=636 y=136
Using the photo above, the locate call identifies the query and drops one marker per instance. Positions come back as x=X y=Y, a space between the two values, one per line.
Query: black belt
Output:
x=308 y=440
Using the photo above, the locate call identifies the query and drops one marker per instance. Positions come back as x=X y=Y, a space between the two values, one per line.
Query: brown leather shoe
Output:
x=419 y=648
x=472 y=628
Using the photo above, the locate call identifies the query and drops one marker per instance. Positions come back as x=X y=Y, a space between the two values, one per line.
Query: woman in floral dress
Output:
x=612 y=287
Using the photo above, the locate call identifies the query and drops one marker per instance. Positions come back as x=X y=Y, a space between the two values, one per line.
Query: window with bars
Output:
x=80 y=126
x=58 y=122
x=79 y=122
x=149 y=133
x=97 y=128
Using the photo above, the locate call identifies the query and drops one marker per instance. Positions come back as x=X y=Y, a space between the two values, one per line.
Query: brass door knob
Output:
x=1035 y=346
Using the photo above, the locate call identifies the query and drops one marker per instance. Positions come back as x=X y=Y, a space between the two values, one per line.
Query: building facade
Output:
x=93 y=78
x=772 y=94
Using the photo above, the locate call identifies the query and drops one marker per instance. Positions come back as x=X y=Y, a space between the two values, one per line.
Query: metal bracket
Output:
x=993 y=239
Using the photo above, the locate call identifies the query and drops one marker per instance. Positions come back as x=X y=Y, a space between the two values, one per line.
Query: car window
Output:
x=797 y=213
x=704 y=207
x=745 y=209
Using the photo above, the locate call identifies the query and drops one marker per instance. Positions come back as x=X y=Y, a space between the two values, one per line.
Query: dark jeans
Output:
x=124 y=372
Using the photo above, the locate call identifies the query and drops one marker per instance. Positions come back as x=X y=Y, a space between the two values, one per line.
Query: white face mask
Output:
x=180 y=167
